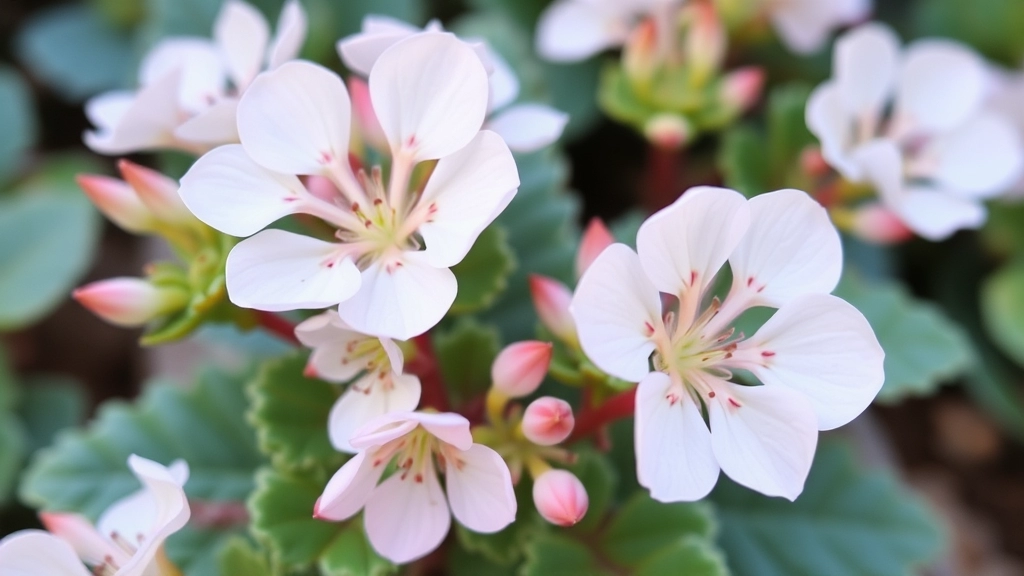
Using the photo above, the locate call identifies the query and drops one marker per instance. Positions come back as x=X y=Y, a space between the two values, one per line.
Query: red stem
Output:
x=425 y=366
x=615 y=408
x=277 y=325
x=663 y=168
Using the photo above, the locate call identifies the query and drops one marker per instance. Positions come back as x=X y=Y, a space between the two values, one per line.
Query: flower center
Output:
x=414 y=455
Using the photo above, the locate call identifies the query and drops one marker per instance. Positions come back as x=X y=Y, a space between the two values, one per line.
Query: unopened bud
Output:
x=129 y=301
x=560 y=497
x=548 y=421
x=813 y=163
x=705 y=42
x=158 y=192
x=876 y=223
x=640 y=54
x=551 y=299
x=118 y=202
x=668 y=131
x=741 y=88
x=595 y=239
x=367 y=126
x=520 y=368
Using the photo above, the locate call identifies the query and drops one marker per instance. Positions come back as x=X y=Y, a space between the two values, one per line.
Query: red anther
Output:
x=734 y=402
x=693 y=277
x=649 y=328
x=419 y=478
x=711 y=394
x=377 y=201
x=767 y=353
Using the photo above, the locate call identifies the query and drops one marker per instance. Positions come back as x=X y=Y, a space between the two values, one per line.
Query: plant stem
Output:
x=615 y=408
x=278 y=326
x=663 y=168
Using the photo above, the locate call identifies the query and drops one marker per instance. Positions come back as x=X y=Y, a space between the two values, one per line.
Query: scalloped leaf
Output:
x=483 y=274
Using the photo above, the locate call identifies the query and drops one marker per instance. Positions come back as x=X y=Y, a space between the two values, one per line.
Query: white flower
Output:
x=407 y=515
x=1007 y=100
x=805 y=25
x=340 y=355
x=574 y=30
x=189 y=87
x=389 y=268
x=525 y=127
x=127 y=540
x=913 y=124
x=817 y=357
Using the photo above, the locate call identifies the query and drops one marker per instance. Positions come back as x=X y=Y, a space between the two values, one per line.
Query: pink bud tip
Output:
x=310 y=371
x=118 y=202
x=595 y=239
x=520 y=367
x=548 y=421
x=551 y=299
x=668 y=131
x=560 y=497
x=876 y=223
x=127 y=301
x=640 y=55
x=813 y=163
x=158 y=192
x=368 y=127
x=741 y=88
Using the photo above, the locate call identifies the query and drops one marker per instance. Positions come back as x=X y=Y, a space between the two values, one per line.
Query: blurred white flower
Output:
x=389 y=269
x=805 y=25
x=574 y=30
x=913 y=123
x=189 y=87
x=525 y=127
x=817 y=358
x=1007 y=99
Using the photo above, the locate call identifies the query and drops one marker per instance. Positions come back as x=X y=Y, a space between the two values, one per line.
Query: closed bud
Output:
x=741 y=88
x=520 y=368
x=705 y=42
x=876 y=223
x=118 y=202
x=367 y=126
x=548 y=421
x=129 y=301
x=551 y=299
x=813 y=163
x=158 y=192
x=640 y=57
x=560 y=497
x=595 y=239
x=668 y=131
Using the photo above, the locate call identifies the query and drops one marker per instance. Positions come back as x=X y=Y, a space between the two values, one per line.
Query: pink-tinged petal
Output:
x=158 y=192
x=596 y=237
x=430 y=94
x=548 y=421
x=764 y=437
x=824 y=348
x=408 y=518
x=829 y=120
x=228 y=191
x=790 y=249
x=942 y=83
x=742 y=88
x=350 y=488
x=360 y=51
x=323 y=329
x=464 y=194
x=401 y=296
x=480 y=489
x=866 y=64
x=980 y=158
x=213 y=126
x=873 y=222
x=295 y=119
x=129 y=301
x=383 y=429
x=84 y=538
x=36 y=553
x=147 y=123
x=573 y=30
x=804 y=25
x=277 y=270
x=197 y=60
x=332 y=357
x=292 y=25
x=683 y=246
x=448 y=427
x=551 y=300
x=118 y=202
x=674 y=459
x=560 y=497
x=367 y=126
x=528 y=127
x=617 y=309
x=367 y=398
x=242 y=34
x=520 y=367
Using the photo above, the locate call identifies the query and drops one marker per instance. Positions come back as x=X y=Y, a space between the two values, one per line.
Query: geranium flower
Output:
x=913 y=125
x=126 y=541
x=407 y=515
x=340 y=355
x=525 y=127
x=805 y=25
x=189 y=87
x=817 y=358
x=389 y=266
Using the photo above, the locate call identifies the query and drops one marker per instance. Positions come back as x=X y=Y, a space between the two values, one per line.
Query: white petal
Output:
x=804 y=25
x=36 y=553
x=228 y=191
x=935 y=215
x=214 y=126
x=277 y=270
x=980 y=158
x=407 y=519
x=148 y=122
x=824 y=348
x=464 y=193
x=673 y=445
x=615 y=306
x=367 y=398
x=296 y=118
x=767 y=442
x=790 y=249
x=350 y=487
x=430 y=95
x=106 y=110
x=242 y=34
x=828 y=119
x=401 y=297
x=360 y=51
x=448 y=427
x=865 y=63
x=683 y=246
x=529 y=127
x=480 y=490
x=291 y=33
x=324 y=329
x=504 y=86
x=333 y=361
x=881 y=162
x=942 y=83
x=382 y=430
x=573 y=30
x=199 y=62
x=395 y=355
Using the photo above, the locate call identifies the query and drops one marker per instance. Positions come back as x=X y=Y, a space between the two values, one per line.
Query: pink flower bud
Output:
x=551 y=299
x=876 y=223
x=560 y=497
x=741 y=88
x=668 y=131
x=595 y=239
x=705 y=43
x=640 y=54
x=129 y=301
x=367 y=125
x=520 y=367
x=323 y=188
x=548 y=421
x=118 y=202
x=813 y=163
x=158 y=192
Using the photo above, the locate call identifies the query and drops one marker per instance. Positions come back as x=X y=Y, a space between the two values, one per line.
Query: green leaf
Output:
x=690 y=556
x=465 y=354
x=923 y=347
x=599 y=478
x=991 y=26
x=290 y=413
x=1002 y=309
x=788 y=134
x=17 y=122
x=483 y=274
x=743 y=162
x=12 y=451
x=556 y=555
x=644 y=527
x=49 y=404
x=239 y=558
x=74 y=50
x=506 y=547
x=462 y=562
x=846 y=522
